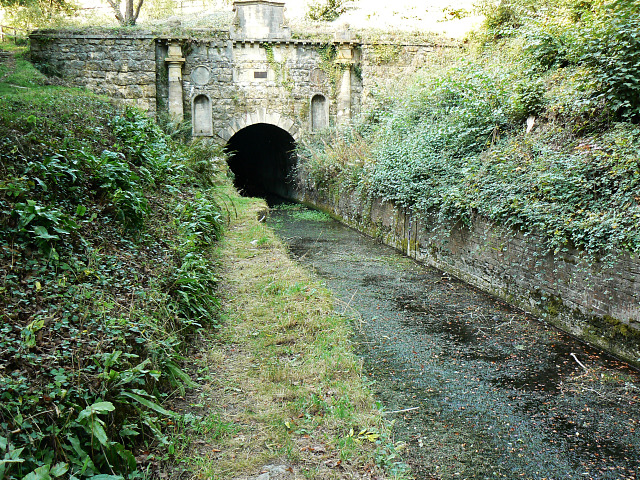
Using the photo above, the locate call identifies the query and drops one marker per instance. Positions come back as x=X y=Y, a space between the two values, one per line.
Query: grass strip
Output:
x=284 y=386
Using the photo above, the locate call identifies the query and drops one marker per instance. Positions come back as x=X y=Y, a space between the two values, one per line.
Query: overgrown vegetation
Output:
x=535 y=128
x=111 y=256
x=106 y=228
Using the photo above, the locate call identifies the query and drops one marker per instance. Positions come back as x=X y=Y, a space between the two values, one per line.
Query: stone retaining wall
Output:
x=122 y=67
x=599 y=303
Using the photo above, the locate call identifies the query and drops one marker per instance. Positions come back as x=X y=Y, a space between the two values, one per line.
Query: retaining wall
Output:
x=598 y=302
x=121 y=66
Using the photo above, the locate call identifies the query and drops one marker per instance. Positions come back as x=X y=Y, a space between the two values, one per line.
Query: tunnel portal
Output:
x=263 y=159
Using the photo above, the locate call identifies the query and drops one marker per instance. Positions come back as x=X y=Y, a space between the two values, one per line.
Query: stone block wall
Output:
x=230 y=78
x=241 y=78
x=598 y=302
x=122 y=67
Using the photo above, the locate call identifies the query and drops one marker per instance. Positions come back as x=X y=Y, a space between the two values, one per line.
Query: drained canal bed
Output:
x=488 y=391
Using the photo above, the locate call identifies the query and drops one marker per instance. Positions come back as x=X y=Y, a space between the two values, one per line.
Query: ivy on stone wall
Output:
x=280 y=70
x=455 y=145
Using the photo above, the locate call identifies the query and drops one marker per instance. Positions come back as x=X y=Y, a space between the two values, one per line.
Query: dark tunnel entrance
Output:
x=262 y=158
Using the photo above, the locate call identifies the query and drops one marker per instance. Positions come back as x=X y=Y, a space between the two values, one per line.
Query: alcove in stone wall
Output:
x=319 y=113
x=202 y=123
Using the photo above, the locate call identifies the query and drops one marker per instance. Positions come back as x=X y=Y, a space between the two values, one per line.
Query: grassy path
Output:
x=284 y=397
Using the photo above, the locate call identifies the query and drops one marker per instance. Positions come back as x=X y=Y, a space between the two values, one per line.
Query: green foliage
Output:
x=455 y=146
x=91 y=340
x=610 y=48
x=327 y=10
x=30 y=14
x=24 y=75
x=205 y=161
x=328 y=53
x=383 y=53
x=585 y=196
x=600 y=36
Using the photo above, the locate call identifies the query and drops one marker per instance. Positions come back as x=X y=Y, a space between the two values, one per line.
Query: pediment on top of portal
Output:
x=259 y=20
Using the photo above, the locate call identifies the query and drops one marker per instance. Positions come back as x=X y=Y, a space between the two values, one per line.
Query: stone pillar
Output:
x=174 y=62
x=345 y=60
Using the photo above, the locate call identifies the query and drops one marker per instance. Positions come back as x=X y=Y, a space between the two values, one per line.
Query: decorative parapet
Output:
x=259 y=19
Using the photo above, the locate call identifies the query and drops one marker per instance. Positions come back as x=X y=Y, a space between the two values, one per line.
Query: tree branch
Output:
x=115 y=4
x=138 y=7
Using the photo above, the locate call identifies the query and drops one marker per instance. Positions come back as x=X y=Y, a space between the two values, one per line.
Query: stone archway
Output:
x=262 y=157
x=261 y=116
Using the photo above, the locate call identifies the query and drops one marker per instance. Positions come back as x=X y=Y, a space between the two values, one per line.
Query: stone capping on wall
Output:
x=260 y=116
x=212 y=41
x=48 y=33
x=293 y=41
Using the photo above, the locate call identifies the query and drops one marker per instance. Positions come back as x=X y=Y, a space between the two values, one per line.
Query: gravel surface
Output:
x=492 y=392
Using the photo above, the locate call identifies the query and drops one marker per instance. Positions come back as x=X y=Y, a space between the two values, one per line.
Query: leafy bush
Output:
x=610 y=48
x=600 y=36
x=455 y=146
x=327 y=10
x=205 y=161
x=91 y=342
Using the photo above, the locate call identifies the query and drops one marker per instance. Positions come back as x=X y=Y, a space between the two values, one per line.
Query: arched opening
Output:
x=262 y=158
x=202 y=122
x=319 y=113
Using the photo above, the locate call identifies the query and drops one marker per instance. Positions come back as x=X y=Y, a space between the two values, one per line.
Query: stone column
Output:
x=345 y=60
x=174 y=62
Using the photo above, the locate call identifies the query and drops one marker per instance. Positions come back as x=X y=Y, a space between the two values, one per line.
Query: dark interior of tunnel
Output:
x=262 y=157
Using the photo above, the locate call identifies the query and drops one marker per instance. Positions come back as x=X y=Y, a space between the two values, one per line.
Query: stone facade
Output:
x=223 y=81
x=599 y=303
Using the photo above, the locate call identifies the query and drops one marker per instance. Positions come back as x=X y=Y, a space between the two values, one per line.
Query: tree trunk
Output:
x=128 y=13
x=131 y=12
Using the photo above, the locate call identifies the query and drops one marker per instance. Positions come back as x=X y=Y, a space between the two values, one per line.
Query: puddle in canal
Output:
x=499 y=395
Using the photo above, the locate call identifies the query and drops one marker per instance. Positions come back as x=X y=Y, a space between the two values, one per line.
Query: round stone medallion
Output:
x=200 y=75
x=317 y=76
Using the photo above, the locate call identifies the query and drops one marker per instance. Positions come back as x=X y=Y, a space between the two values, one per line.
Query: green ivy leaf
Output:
x=59 y=469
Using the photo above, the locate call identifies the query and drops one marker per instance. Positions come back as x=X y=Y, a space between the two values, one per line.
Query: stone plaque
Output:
x=317 y=76
x=200 y=75
x=259 y=74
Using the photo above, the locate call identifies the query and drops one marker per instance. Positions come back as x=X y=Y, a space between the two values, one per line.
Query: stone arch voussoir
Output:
x=260 y=116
